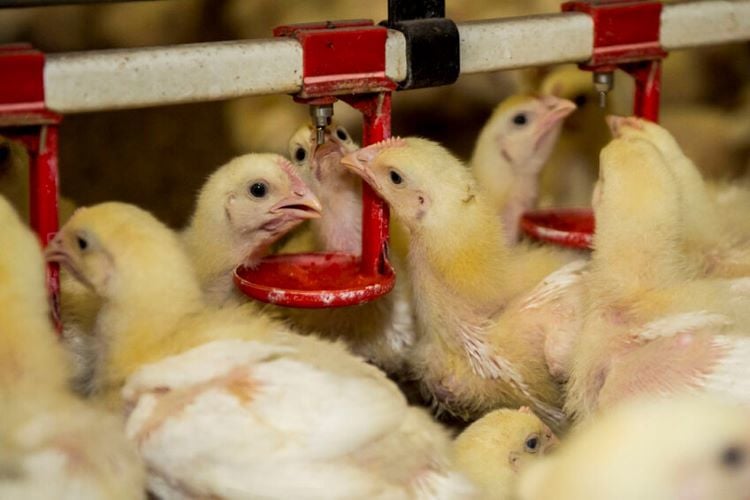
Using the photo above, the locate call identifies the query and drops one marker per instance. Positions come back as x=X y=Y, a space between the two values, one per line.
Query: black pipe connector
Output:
x=433 y=55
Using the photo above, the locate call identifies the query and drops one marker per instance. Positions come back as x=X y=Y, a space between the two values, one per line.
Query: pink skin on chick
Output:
x=340 y=191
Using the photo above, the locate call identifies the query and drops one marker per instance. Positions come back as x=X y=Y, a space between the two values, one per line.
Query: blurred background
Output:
x=158 y=157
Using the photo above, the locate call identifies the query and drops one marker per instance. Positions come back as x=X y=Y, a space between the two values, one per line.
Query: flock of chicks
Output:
x=168 y=380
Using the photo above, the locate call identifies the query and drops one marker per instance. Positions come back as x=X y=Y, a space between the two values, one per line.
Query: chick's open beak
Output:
x=301 y=204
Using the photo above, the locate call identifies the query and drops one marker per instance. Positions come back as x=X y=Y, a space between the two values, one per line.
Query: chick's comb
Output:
x=391 y=142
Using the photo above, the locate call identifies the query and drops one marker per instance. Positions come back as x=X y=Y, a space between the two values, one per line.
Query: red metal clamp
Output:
x=626 y=36
x=340 y=57
x=341 y=60
x=24 y=117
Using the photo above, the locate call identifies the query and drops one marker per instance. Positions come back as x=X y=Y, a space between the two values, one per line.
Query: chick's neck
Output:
x=340 y=227
x=457 y=267
x=216 y=250
x=140 y=322
x=638 y=244
x=512 y=188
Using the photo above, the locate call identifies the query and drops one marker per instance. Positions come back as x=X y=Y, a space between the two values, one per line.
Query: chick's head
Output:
x=257 y=195
x=320 y=164
x=422 y=182
x=569 y=82
x=502 y=440
x=635 y=179
x=526 y=127
x=635 y=127
x=114 y=248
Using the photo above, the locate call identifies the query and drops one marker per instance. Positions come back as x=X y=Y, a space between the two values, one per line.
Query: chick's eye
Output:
x=82 y=243
x=258 y=189
x=300 y=154
x=532 y=443
x=395 y=177
x=520 y=119
x=733 y=457
x=580 y=100
x=341 y=134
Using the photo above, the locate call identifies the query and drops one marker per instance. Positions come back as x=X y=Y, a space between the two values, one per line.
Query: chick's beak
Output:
x=56 y=251
x=556 y=110
x=615 y=124
x=301 y=204
x=359 y=162
x=619 y=124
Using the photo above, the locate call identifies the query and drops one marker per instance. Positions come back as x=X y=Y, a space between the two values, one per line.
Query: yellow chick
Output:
x=14 y=179
x=482 y=320
x=511 y=150
x=651 y=326
x=650 y=449
x=213 y=395
x=242 y=209
x=494 y=450
x=53 y=445
x=715 y=230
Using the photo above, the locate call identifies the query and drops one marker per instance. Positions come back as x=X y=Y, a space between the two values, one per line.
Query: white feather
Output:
x=731 y=376
x=555 y=285
x=488 y=364
x=671 y=325
x=239 y=419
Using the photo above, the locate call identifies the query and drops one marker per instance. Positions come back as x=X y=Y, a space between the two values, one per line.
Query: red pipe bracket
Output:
x=624 y=30
x=24 y=117
x=627 y=36
x=341 y=57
